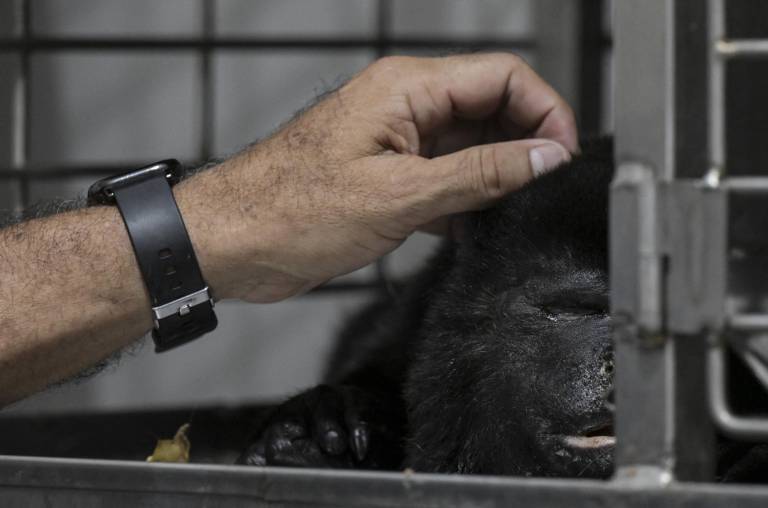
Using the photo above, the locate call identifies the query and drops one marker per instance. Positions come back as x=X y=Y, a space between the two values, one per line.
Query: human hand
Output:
x=406 y=142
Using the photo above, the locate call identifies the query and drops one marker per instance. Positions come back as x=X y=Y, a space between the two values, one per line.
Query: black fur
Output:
x=475 y=367
x=495 y=359
x=515 y=349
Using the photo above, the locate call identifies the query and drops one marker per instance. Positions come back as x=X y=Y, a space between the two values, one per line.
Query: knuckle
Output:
x=385 y=64
x=517 y=61
x=511 y=60
x=566 y=119
x=485 y=172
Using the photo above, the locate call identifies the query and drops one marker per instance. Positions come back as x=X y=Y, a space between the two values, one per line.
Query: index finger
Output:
x=478 y=86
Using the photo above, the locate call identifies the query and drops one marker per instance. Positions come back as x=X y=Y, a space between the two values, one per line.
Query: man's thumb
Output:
x=475 y=177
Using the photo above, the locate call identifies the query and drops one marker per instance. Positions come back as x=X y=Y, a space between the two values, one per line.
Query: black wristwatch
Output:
x=182 y=306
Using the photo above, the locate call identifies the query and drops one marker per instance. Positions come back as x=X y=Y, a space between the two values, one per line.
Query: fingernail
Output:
x=333 y=443
x=546 y=157
x=360 y=442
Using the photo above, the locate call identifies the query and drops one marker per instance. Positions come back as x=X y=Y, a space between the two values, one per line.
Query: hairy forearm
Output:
x=70 y=294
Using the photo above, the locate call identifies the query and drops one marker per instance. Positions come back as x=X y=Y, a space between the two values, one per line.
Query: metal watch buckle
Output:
x=181 y=306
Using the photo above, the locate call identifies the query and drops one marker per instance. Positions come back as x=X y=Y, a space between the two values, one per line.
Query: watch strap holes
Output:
x=165 y=253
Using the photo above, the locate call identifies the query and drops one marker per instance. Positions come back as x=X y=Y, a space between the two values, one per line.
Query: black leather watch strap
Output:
x=181 y=304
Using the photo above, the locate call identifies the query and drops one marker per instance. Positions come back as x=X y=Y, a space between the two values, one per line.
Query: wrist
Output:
x=238 y=248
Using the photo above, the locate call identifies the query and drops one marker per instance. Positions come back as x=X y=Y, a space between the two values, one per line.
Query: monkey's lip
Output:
x=589 y=442
x=596 y=436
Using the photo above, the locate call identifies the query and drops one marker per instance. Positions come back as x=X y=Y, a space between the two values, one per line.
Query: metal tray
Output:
x=32 y=482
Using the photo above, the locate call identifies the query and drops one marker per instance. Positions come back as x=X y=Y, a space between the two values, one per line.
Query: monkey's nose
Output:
x=606 y=369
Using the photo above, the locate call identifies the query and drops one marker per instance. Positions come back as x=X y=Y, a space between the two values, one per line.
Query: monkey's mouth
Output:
x=598 y=436
x=584 y=451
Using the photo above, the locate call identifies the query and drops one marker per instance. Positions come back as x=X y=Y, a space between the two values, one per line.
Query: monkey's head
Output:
x=519 y=336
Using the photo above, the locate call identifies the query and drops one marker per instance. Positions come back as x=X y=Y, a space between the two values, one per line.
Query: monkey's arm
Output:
x=356 y=419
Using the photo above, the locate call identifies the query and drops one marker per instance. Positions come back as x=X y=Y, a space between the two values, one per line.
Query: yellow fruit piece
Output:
x=172 y=450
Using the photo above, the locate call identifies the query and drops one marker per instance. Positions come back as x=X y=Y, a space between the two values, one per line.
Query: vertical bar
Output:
x=644 y=379
x=590 y=81
x=9 y=108
x=557 y=43
x=24 y=125
x=644 y=114
x=695 y=287
x=644 y=90
x=383 y=24
x=716 y=108
x=206 y=83
x=692 y=216
x=692 y=49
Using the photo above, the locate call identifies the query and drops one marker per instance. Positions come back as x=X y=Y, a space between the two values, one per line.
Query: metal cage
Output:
x=669 y=302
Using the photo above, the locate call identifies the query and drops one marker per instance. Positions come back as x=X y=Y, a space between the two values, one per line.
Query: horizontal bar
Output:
x=252 y=43
x=750 y=428
x=748 y=322
x=743 y=48
x=33 y=482
x=746 y=184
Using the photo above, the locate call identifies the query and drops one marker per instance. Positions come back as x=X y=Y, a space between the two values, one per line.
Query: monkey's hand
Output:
x=331 y=427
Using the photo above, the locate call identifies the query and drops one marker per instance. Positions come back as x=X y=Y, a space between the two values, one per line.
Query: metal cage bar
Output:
x=24 y=125
x=644 y=196
x=716 y=120
x=644 y=114
x=33 y=483
x=40 y=43
x=721 y=49
x=754 y=48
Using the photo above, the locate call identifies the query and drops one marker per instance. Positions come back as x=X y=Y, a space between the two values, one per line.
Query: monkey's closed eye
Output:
x=569 y=310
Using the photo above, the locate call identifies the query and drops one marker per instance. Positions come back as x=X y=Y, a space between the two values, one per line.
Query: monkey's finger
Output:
x=360 y=440
x=279 y=437
x=357 y=425
x=306 y=452
x=327 y=424
x=254 y=455
x=300 y=453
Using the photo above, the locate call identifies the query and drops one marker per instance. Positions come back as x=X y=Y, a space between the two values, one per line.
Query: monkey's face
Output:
x=518 y=378
x=556 y=339
x=514 y=375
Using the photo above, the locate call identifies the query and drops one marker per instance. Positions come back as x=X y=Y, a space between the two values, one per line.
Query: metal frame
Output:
x=30 y=483
x=645 y=133
x=669 y=291
x=721 y=50
x=669 y=302
x=669 y=245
